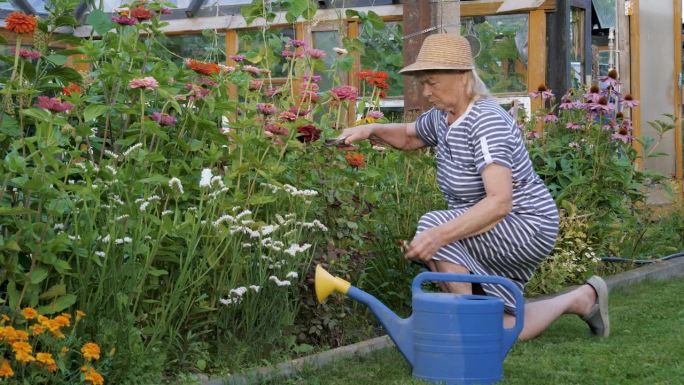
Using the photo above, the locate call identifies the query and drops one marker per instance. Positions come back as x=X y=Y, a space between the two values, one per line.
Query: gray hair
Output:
x=475 y=87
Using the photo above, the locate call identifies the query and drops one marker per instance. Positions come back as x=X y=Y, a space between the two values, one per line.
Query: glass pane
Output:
x=264 y=50
x=326 y=41
x=577 y=46
x=382 y=52
x=606 y=12
x=500 y=46
x=207 y=46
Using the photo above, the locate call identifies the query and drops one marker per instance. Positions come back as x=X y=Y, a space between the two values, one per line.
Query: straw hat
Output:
x=442 y=52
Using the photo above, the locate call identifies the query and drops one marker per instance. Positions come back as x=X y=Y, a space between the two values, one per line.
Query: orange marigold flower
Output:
x=63 y=320
x=72 y=88
x=80 y=314
x=5 y=369
x=19 y=22
x=8 y=333
x=48 y=360
x=5 y=318
x=21 y=347
x=37 y=330
x=29 y=313
x=202 y=67
x=354 y=159
x=92 y=376
x=91 y=351
x=20 y=335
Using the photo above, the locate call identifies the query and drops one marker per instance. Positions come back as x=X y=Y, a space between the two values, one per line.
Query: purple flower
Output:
x=125 y=20
x=163 y=119
x=146 y=83
x=208 y=82
x=315 y=53
x=288 y=115
x=566 y=104
x=629 y=101
x=375 y=114
x=297 y=43
x=344 y=93
x=573 y=126
x=311 y=78
x=544 y=92
x=266 y=108
x=592 y=97
x=551 y=117
x=237 y=58
x=299 y=112
x=533 y=135
x=271 y=91
x=53 y=104
x=255 y=84
x=196 y=92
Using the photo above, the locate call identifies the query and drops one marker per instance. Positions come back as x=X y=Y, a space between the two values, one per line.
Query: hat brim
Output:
x=427 y=66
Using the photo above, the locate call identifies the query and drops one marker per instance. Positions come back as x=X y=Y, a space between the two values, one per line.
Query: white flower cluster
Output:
x=205 y=180
x=316 y=223
x=131 y=149
x=235 y=295
x=146 y=202
x=121 y=241
x=290 y=190
x=294 y=249
x=271 y=244
x=278 y=282
x=176 y=185
x=111 y=154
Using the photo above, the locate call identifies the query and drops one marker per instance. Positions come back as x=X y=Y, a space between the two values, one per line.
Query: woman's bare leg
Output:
x=538 y=315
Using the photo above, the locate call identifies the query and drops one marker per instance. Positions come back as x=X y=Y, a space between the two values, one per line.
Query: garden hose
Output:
x=642 y=261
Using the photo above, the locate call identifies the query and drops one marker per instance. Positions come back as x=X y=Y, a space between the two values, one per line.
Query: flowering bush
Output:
x=585 y=155
x=42 y=350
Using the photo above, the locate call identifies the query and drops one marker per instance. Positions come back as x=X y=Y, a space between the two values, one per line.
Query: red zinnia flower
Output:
x=308 y=133
x=141 y=13
x=72 y=88
x=354 y=159
x=19 y=22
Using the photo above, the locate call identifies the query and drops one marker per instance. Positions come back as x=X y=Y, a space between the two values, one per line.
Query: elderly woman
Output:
x=501 y=218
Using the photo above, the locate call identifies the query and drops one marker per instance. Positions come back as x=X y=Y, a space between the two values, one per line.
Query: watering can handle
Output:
x=510 y=334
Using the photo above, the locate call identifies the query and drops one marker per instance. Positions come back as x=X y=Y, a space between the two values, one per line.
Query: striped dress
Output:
x=516 y=246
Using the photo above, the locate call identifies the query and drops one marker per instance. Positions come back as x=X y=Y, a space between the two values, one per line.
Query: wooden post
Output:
x=635 y=76
x=536 y=64
x=559 y=48
x=416 y=19
x=677 y=4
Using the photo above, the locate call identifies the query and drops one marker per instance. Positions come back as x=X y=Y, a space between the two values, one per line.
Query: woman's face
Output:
x=444 y=90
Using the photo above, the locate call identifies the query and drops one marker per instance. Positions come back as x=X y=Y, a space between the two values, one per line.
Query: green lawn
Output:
x=646 y=347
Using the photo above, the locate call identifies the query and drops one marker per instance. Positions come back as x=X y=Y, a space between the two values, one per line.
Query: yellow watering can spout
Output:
x=325 y=284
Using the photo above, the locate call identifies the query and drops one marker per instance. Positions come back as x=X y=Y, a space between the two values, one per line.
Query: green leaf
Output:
x=12 y=245
x=260 y=199
x=100 y=22
x=64 y=74
x=37 y=113
x=55 y=291
x=56 y=59
x=38 y=275
x=66 y=20
x=93 y=111
x=376 y=20
x=158 y=272
x=58 y=305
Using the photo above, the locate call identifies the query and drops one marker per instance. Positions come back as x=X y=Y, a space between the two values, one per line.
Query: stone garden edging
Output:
x=658 y=271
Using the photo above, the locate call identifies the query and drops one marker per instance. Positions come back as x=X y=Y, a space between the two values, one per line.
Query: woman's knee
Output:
x=428 y=221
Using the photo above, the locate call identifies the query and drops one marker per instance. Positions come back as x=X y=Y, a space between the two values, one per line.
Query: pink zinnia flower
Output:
x=196 y=92
x=53 y=104
x=146 y=83
x=125 y=20
x=276 y=129
x=315 y=53
x=271 y=91
x=375 y=114
x=237 y=58
x=629 y=101
x=308 y=133
x=299 y=112
x=344 y=93
x=251 y=69
x=266 y=108
x=311 y=78
x=163 y=119
x=26 y=53
x=288 y=115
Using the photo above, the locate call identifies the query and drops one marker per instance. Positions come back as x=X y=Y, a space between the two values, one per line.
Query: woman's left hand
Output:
x=425 y=245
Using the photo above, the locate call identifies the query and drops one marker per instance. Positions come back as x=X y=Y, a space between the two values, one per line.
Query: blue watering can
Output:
x=450 y=338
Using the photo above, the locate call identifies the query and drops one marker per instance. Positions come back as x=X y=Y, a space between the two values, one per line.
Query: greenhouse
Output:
x=341 y=191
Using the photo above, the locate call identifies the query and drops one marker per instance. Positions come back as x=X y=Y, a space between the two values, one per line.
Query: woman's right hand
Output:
x=357 y=133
